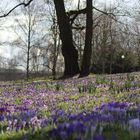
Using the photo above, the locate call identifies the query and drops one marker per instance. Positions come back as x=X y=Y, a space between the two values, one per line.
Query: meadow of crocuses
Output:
x=98 y=107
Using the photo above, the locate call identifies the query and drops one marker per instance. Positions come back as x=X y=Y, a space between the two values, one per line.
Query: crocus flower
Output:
x=134 y=124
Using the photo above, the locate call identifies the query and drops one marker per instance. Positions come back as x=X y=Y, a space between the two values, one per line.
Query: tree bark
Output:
x=28 y=47
x=85 y=68
x=69 y=51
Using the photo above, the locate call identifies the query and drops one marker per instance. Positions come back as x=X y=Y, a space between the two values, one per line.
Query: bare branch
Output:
x=106 y=13
x=83 y=11
x=74 y=13
x=23 y=3
x=78 y=27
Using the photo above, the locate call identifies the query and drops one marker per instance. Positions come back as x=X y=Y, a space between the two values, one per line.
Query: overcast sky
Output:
x=6 y=34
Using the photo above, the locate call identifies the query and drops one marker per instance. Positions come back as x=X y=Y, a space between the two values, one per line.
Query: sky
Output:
x=7 y=34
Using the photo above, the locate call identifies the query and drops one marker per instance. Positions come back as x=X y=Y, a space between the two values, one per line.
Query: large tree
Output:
x=85 y=68
x=68 y=49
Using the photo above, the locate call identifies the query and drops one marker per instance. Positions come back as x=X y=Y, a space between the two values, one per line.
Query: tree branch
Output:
x=75 y=13
x=106 y=13
x=23 y=3
x=78 y=27
x=83 y=11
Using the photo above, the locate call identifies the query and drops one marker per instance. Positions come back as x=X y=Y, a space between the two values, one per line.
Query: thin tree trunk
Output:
x=69 y=51
x=112 y=45
x=55 y=34
x=85 y=68
x=103 y=67
x=27 y=67
x=29 y=46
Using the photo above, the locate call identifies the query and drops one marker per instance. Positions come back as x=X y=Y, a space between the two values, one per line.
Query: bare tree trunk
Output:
x=27 y=67
x=103 y=66
x=69 y=51
x=55 y=51
x=85 y=68
x=55 y=39
x=111 y=49
x=28 y=47
x=104 y=43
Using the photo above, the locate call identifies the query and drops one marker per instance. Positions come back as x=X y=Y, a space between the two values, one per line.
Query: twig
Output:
x=23 y=3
